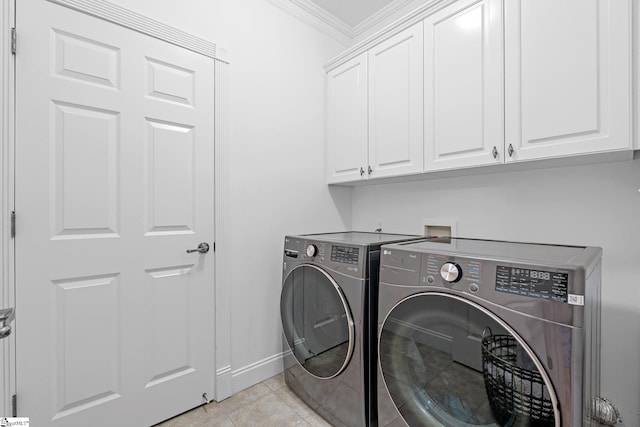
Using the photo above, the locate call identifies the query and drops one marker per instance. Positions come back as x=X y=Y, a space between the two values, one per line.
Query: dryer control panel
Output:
x=345 y=254
x=342 y=258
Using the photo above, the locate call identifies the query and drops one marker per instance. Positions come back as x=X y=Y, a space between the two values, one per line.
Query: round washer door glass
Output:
x=446 y=361
x=317 y=322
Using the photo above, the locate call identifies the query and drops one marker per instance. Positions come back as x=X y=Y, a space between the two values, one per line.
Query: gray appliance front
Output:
x=322 y=319
x=501 y=344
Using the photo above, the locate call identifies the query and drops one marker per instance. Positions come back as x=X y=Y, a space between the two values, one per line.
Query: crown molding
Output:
x=134 y=21
x=324 y=16
x=379 y=16
x=312 y=14
x=413 y=18
x=308 y=12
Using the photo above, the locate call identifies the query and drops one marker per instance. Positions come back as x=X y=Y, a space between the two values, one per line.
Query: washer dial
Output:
x=312 y=250
x=451 y=272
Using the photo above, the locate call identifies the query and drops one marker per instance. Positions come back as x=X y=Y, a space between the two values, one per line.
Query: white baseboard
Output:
x=254 y=373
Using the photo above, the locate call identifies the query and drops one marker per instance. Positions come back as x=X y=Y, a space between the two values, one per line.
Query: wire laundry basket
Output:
x=517 y=395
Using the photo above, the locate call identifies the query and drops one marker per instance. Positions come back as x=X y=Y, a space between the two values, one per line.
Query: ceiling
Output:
x=352 y=12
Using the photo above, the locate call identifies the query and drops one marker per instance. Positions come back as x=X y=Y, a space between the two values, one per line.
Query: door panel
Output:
x=165 y=289
x=84 y=324
x=567 y=92
x=114 y=181
x=347 y=121
x=83 y=172
x=396 y=104
x=463 y=85
x=171 y=170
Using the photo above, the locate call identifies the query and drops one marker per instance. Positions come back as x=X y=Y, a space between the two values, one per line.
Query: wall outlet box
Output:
x=438 y=227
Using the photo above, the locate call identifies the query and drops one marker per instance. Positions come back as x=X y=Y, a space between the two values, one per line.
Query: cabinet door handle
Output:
x=370 y=170
x=511 y=150
x=361 y=171
x=495 y=152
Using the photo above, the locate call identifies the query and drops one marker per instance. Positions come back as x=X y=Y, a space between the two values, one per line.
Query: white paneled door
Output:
x=114 y=182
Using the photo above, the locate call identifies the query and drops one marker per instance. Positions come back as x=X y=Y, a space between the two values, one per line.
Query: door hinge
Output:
x=13 y=224
x=14 y=40
x=14 y=405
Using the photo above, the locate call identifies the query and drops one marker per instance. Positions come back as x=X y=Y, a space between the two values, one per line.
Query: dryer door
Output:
x=316 y=321
x=447 y=361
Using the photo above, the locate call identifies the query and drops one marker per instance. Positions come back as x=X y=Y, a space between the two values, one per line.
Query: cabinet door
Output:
x=395 y=105
x=347 y=121
x=568 y=74
x=463 y=85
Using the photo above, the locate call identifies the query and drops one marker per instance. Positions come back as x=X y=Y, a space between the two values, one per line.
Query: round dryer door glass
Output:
x=446 y=361
x=317 y=322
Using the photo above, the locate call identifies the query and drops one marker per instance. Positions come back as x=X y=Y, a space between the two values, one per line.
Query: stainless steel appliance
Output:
x=488 y=333
x=328 y=309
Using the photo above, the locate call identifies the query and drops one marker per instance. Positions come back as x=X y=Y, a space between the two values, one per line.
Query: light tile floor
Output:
x=267 y=404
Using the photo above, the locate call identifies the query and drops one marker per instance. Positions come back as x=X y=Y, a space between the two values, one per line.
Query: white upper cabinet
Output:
x=463 y=75
x=347 y=121
x=396 y=105
x=482 y=82
x=567 y=77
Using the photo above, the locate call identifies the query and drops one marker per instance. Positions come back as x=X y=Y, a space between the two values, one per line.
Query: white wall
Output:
x=276 y=158
x=277 y=187
x=595 y=205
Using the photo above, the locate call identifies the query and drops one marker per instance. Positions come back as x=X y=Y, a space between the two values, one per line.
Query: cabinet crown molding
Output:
x=307 y=11
x=392 y=29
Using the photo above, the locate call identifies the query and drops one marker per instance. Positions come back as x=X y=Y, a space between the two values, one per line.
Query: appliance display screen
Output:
x=541 y=284
x=345 y=254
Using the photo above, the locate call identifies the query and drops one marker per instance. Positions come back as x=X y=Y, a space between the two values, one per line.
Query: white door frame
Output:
x=115 y=14
x=7 y=296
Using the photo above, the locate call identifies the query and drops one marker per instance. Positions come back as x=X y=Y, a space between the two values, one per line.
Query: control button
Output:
x=474 y=288
x=451 y=272
x=430 y=280
x=312 y=250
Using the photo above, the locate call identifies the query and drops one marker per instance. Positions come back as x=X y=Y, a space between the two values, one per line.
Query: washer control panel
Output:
x=542 y=284
x=451 y=270
x=553 y=289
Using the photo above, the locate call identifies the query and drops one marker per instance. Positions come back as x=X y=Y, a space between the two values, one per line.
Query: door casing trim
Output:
x=134 y=21
x=7 y=290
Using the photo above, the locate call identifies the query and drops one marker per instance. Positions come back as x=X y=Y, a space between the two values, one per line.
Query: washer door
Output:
x=447 y=361
x=316 y=320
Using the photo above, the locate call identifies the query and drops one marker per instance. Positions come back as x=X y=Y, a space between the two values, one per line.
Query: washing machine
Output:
x=488 y=333
x=328 y=310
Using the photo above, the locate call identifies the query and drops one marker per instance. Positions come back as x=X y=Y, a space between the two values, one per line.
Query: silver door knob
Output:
x=6 y=317
x=203 y=248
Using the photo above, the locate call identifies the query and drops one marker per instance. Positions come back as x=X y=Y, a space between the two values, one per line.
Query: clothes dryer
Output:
x=488 y=333
x=328 y=309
